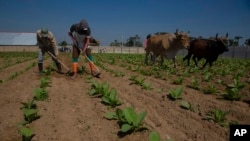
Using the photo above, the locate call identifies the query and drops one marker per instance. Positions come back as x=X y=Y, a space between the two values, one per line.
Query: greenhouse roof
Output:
x=8 y=38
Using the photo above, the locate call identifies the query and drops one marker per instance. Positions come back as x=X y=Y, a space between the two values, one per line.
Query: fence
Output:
x=242 y=52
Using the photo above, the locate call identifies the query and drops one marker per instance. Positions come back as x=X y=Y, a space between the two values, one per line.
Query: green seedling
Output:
x=194 y=84
x=30 y=115
x=136 y=68
x=236 y=84
x=137 y=80
x=111 y=61
x=186 y=105
x=175 y=93
x=111 y=98
x=119 y=74
x=154 y=136
x=130 y=120
x=99 y=89
x=178 y=81
x=111 y=116
x=40 y=94
x=88 y=79
x=232 y=94
x=44 y=82
x=29 y=105
x=207 y=77
x=147 y=86
x=27 y=133
x=210 y=90
x=218 y=116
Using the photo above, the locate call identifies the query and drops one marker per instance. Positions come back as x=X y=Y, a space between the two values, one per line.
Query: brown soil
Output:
x=70 y=114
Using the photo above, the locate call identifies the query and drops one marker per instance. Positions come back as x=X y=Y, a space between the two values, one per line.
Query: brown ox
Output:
x=209 y=49
x=166 y=45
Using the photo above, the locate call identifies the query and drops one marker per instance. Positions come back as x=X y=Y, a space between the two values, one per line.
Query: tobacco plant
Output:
x=128 y=119
x=99 y=88
x=147 y=86
x=40 y=94
x=178 y=81
x=218 y=116
x=27 y=133
x=194 y=84
x=29 y=105
x=44 y=82
x=232 y=94
x=111 y=98
x=30 y=115
x=210 y=90
x=154 y=136
x=175 y=93
x=137 y=80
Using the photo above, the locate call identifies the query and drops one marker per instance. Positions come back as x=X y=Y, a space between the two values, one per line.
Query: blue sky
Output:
x=112 y=20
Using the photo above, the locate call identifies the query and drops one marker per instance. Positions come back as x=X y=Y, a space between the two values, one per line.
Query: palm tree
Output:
x=247 y=42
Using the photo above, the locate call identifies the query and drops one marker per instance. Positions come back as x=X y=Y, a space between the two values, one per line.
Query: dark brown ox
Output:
x=223 y=38
x=166 y=45
x=205 y=48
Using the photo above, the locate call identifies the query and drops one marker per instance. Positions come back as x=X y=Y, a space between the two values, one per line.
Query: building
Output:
x=10 y=41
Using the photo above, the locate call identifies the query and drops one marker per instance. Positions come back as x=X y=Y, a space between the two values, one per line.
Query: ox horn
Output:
x=216 y=36
x=226 y=35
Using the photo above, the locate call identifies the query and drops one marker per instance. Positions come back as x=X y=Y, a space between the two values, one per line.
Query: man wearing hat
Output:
x=80 y=35
x=46 y=43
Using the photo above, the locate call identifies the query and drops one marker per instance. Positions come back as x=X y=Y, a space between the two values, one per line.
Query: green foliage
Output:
x=207 y=76
x=27 y=133
x=218 y=116
x=210 y=90
x=111 y=98
x=186 y=105
x=40 y=94
x=232 y=94
x=175 y=93
x=154 y=136
x=30 y=114
x=128 y=119
x=194 y=84
x=99 y=88
x=147 y=86
x=138 y=80
x=119 y=74
x=236 y=84
x=44 y=82
x=29 y=105
x=178 y=81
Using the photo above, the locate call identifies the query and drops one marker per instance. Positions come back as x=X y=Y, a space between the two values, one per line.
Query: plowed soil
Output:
x=70 y=114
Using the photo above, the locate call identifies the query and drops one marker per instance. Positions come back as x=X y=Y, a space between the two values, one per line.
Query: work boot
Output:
x=59 y=68
x=40 y=68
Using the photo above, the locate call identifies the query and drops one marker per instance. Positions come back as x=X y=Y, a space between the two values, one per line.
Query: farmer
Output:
x=46 y=43
x=80 y=35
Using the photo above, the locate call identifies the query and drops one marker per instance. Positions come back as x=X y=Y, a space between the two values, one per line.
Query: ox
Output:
x=205 y=48
x=166 y=45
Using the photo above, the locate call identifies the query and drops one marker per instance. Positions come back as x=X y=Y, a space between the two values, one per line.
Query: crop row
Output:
x=30 y=109
x=228 y=78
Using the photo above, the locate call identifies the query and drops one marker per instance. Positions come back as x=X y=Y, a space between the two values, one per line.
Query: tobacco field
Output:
x=129 y=101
